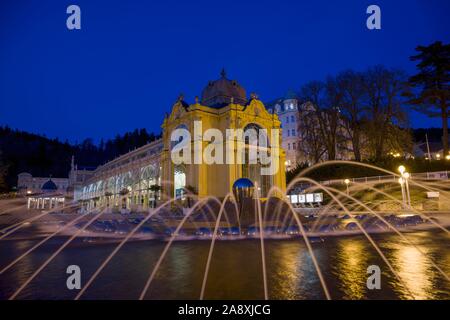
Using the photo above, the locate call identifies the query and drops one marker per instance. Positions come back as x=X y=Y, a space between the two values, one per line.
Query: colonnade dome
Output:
x=222 y=92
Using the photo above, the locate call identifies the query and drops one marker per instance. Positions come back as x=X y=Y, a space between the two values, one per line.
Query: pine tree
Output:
x=433 y=84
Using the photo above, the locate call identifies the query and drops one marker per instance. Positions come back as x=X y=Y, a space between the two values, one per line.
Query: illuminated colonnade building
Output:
x=136 y=179
x=127 y=182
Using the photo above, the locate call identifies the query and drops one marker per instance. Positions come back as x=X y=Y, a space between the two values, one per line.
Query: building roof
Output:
x=222 y=92
x=290 y=95
x=49 y=186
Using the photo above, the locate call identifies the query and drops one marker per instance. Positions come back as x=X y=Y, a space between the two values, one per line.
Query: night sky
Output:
x=131 y=59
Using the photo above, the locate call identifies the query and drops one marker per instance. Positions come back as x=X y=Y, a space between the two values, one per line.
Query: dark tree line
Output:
x=21 y=151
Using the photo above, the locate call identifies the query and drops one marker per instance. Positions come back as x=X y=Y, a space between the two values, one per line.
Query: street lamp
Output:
x=404 y=185
x=408 y=195
x=347 y=182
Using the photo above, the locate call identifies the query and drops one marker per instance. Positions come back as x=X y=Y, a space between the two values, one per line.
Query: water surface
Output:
x=236 y=271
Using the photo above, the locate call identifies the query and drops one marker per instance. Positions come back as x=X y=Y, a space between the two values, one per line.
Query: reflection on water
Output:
x=235 y=271
x=414 y=269
x=351 y=265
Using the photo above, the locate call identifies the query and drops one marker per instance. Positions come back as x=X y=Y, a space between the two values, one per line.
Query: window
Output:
x=293 y=146
x=289 y=146
x=287 y=119
x=288 y=132
x=293 y=132
x=292 y=119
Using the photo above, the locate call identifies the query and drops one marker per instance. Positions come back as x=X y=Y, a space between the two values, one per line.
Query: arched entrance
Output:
x=255 y=142
x=179 y=181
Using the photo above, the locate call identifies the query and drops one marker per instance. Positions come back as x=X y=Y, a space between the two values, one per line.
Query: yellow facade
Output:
x=217 y=179
x=141 y=178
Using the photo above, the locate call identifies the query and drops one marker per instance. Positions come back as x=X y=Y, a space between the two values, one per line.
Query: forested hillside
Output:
x=22 y=151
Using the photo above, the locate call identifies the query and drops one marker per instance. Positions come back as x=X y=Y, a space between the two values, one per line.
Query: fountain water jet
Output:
x=261 y=237
x=61 y=248
x=396 y=231
x=119 y=246
x=308 y=245
x=19 y=225
x=166 y=248
x=211 y=248
x=71 y=223
x=363 y=231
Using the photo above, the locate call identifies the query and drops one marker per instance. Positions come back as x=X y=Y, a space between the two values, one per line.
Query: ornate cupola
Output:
x=222 y=92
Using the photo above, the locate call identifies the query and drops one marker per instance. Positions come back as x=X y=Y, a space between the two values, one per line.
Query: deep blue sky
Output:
x=131 y=59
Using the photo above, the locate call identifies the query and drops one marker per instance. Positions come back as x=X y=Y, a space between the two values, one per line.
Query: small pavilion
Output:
x=47 y=199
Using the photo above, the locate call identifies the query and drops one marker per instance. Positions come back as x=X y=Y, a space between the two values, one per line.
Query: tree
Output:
x=360 y=112
x=310 y=144
x=350 y=85
x=383 y=89
x=325 y=101
x=433 y=84
x=3 y=173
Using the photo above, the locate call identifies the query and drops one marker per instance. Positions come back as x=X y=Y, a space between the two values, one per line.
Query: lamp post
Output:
x=404 y=185
x=402 y=182
x=347 y=182
x=408 y=195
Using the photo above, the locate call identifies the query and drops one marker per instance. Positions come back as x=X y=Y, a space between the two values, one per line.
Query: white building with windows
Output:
x=287 y=110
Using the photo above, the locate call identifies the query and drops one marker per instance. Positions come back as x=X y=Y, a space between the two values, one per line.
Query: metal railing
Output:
x=437 y=175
